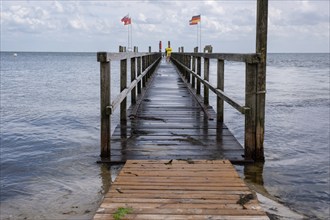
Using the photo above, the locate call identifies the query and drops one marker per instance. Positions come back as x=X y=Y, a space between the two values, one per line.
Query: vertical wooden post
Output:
x=105 y=98
x=199 y=70
x=206 y=77
x=123 y=85
x=250 y=116
x=193 y=79
x=261 y=47
x=220 y=85
x=188 y=61
x=143 y=68
x=149 y=49
x=139 y=60
x=133 y=77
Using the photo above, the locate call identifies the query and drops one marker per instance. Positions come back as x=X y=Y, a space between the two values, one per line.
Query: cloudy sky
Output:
x=228 y=25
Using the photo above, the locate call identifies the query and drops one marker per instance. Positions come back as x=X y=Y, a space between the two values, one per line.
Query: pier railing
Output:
x=142 y=66
x=190 y=67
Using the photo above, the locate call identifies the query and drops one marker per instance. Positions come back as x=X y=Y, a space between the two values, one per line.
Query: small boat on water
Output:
x=15 y=54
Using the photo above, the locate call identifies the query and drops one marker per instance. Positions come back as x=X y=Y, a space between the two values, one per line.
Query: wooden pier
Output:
x=179 y=189
x=176 y=149
x=169 y=123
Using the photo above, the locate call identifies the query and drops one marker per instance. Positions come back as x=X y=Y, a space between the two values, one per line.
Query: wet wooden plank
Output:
x=180 y=189
x=170 y=124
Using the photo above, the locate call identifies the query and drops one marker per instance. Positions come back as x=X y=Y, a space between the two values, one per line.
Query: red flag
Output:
x=127 y=20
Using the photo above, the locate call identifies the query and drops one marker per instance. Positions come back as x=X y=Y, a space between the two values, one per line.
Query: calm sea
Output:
x=50 y=133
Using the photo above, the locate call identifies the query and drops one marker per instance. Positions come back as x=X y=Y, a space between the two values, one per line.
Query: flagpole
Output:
x=197 y=36
x=131 y=37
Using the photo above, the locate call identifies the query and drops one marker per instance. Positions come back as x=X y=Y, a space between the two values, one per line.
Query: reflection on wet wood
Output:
x=180 y=189
x=170 y=124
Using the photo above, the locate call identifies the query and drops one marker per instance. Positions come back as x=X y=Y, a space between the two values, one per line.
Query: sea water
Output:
x=50 y=132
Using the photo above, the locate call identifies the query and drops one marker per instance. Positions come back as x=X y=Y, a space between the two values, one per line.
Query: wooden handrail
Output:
x=252 y=89
x=123 y=94
x=142 y=67
x=246 y=58
x=221 y=94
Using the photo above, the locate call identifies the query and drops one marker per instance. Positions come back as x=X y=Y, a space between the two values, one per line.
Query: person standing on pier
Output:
x=168 y=51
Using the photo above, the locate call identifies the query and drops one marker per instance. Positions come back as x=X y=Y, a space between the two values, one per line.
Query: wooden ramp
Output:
x=180 y=189
x=170 y=124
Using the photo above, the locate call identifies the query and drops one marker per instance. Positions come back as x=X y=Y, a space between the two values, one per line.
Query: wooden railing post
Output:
x=143 y=68
x=139 y=71
x=123 y=85
x=220 y=85
x=188 y=63
x=193 y=79
x=261 y=47
x=207 y=74
x=250 y=116
x=133 y=77
x=105 y=98
x=199 y=70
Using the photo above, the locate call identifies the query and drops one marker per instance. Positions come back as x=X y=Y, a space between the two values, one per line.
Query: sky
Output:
x=227 y=25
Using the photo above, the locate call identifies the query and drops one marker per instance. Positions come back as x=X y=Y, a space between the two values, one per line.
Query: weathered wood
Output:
x=206 y=78
x=199 y=70
x=219 y=93
x=133 y=77
x=169 y=123
x=139 y=71
x=105 y=91
x=124 y=93
x=180 y=189
x=261 y=47
x=246 y=58
x=220 y=86
x=144 y=66
x=250 y=117
x=123 y=86
x=193 y=79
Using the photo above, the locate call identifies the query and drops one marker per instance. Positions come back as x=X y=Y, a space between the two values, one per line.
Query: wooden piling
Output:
x=220 y=86
x=123 y=85
x=206 y=77
x=199 y=70
x=261 y=47
x=133 y=77
x=105 y=98
x=250 y=116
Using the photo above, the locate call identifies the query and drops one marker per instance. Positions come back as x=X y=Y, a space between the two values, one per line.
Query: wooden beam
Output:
x=220 y=86
x=250 y=117
x=105 y=91
x=246 y=58
x=261 y=48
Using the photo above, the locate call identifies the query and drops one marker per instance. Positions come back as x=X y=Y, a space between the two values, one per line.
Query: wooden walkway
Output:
x=170 y=124
x=178 y=189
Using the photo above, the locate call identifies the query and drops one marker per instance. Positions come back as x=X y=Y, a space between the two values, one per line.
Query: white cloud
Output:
x=59 y=7
x=226 y=24
x=78 y=23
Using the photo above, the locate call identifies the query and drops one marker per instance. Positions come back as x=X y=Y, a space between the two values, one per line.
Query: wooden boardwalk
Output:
x=180 y=189
x=170 y=124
